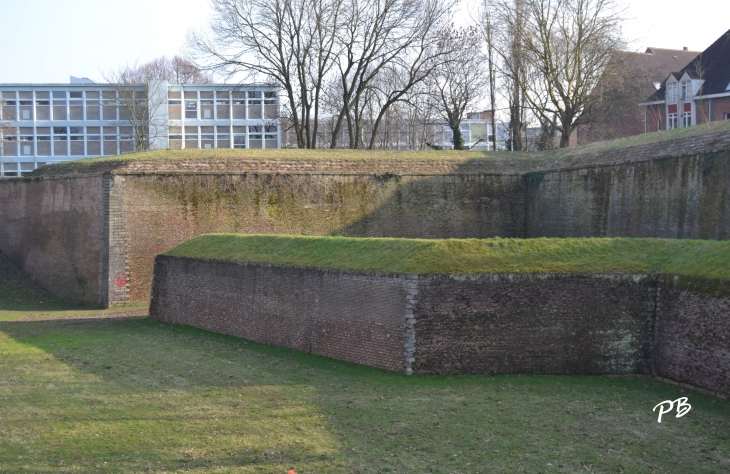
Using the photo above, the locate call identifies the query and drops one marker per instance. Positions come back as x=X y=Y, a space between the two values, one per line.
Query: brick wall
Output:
x=54 y=229
x=353 y=317
x=693 y=333
x=677 y=328
x=622 y=192
x=164 y=211
x=117 y=251
x=678 y=198
x=552 y=324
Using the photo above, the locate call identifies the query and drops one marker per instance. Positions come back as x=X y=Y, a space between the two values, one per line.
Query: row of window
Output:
x=269 y=97
x=106 y=105
x=100 y=141
x=27 y=108
x=672 y=120
x=685 y=89
x=224 y=137
x=13 y=170
x=223 y=106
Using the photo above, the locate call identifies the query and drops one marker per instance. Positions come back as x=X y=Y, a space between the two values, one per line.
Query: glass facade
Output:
x=54 y=123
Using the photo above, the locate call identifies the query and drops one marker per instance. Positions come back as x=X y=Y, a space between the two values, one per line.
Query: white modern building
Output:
x=51 y=123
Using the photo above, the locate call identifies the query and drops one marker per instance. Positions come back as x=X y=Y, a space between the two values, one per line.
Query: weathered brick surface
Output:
x=117 y=271
x=54 y=229
x=353 y=317
x=693 y=333
x=656 y=190
x=164 y=211
x=677 y=328
x=552 y=324
x=685 y=197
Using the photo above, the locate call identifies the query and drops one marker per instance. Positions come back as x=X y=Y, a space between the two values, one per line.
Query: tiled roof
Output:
x=664 y=61
x=655 y=64
x=712 y=65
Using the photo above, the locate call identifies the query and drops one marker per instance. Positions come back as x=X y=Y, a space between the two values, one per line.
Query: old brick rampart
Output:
x=357 y=317
x=454 y=324
x=660 y=190
x=59 y=232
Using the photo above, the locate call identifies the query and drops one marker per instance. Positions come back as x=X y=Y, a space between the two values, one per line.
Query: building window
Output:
x=191 y=137
x=686 y=90
x=191 y=109
x=687 y=119
x=671 y=93
x=466 y=132
x=727 y=115
x=271 y=105
x=59 y=105
x=254 y=106
x=239 y=137
x=672 y=121
x=43 y=141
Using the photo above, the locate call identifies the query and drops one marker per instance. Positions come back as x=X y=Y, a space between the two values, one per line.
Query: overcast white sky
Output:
x=50 y=40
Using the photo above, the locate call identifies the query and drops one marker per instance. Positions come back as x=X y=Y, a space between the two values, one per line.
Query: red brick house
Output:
x=698 y=93
x=638 y=75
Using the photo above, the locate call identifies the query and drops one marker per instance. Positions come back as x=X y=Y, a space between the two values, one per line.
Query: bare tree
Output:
x=568 y=45
x=485 y=25
x=397 y=38
x=627 y=81
x=139 y=94
x=139 y=97
x=290 y=43
x=460 y=80
x=175 y=70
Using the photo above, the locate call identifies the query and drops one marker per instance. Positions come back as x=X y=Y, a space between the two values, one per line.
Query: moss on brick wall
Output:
x=685 y=197
x=165 y=210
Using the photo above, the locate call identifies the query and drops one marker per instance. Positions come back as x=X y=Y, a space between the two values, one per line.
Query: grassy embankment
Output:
x=137 y=395
x=466 y=161
x=704 y=258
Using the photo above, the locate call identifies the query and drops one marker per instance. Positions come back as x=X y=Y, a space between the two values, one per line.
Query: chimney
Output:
x=685 y=49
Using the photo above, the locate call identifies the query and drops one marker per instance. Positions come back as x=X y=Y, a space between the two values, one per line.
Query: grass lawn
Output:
x=703 y=258
x=129 y=394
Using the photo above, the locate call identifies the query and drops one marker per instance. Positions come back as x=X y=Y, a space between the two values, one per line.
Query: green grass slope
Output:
x=685 y=140
x=468 y=256
x=134 y=395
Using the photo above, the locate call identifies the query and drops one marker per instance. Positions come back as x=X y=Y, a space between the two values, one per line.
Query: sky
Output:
x=46 y=41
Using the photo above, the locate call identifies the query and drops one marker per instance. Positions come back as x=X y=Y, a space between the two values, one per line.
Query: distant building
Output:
x=60 y=122
x=697 y=93
x=619 y=114
x=476 y=129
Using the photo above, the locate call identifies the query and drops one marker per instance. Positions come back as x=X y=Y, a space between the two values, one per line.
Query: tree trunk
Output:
x=458 y=139
x=565 y=139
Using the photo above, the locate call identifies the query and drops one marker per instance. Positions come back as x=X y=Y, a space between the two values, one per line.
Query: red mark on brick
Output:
x=121 y=278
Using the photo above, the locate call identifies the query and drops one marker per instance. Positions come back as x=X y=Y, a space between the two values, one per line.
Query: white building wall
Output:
x=62 y=122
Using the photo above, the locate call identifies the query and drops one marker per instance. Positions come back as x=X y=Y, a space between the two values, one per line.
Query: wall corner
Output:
x=115 y=290
x=409 y=339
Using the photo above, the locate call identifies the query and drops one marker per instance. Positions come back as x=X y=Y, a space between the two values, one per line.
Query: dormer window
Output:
x=671 y=92
x=686 y=90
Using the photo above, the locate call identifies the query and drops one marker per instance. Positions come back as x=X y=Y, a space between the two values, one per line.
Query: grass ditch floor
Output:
x=137 y=395
x=701 y=258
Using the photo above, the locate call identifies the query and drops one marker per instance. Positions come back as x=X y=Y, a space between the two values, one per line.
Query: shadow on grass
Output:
x=144 y=395
x=23 y=299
